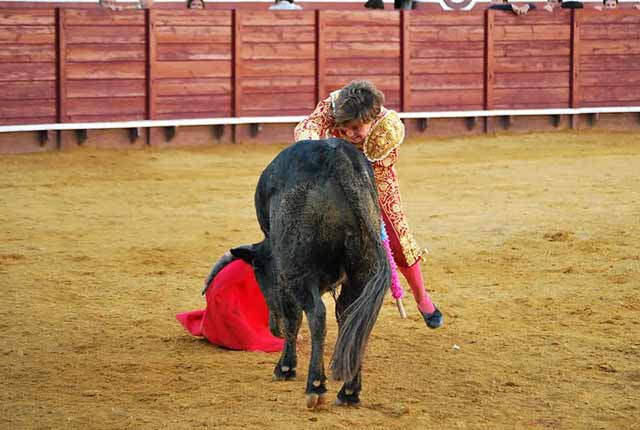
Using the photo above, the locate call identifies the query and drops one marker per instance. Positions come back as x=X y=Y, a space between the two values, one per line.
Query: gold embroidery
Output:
x=386 y=134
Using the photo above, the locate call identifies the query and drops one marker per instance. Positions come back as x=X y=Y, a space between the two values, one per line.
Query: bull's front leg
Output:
x=289 y=325
x=316 y=379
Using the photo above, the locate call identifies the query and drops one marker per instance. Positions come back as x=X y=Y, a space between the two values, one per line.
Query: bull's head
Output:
x=259 y=256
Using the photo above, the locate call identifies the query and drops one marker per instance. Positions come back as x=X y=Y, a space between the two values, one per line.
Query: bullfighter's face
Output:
x=610 y=4
x=356 y=131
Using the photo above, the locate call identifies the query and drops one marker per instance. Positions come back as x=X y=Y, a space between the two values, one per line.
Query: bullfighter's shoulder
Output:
x=386 y=134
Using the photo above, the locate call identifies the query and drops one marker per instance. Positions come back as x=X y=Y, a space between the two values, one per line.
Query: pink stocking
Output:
x=413 y=275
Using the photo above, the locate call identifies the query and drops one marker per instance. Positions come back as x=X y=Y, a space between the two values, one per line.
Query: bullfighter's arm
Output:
x=381 y=149
x=316 y=125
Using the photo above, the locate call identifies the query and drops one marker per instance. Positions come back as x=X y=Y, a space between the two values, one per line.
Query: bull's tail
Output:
x=357 y=325
x=359 y=318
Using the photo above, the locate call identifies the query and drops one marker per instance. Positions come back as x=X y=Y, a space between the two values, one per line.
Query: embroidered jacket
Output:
x=381 y=148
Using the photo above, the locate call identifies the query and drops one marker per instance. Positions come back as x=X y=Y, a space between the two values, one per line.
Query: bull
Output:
x=317 y=206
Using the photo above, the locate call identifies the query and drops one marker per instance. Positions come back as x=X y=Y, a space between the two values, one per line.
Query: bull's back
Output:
x=306 y=183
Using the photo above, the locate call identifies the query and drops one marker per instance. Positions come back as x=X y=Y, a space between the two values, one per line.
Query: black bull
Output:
x=317 y=206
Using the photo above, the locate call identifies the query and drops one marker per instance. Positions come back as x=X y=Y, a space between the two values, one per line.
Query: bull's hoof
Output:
x=314 y=400
x=284 y=373
x=347 y=399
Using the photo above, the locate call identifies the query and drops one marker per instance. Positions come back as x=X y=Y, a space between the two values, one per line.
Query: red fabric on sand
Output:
x=236 y=316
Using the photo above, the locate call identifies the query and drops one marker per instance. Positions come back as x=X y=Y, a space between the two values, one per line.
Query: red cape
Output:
x=236 y=316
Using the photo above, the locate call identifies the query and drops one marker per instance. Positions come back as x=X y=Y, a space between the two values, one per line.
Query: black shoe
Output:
x=434 y=319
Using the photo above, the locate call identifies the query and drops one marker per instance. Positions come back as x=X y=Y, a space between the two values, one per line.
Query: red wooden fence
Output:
x=85 y=65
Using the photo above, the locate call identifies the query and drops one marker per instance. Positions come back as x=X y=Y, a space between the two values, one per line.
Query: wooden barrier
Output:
x=72 y=65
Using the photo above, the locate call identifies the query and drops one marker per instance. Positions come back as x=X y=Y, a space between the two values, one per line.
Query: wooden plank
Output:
x=429 y=18
x=574 y=75
x=60 y=70
x=277 y=68
x=236 y=63
x=27 y=71
x=27 y=108
x=27 y=35
x=362 y=34
x=102 y=17
x=425 y=107
x=447 y=97
x=489 y=61
x=447 y=50
x=374 y=18
x=405 y=61
x=278 y=34
x=28 y=53
x=463 y=81
x=590 y=63
x=272 y=101
x=106 y=106
x=628 y=78
x=623 y=95
x=106 y=35
x=535 y=17
x=383 y=83
x=151 y=66
x=184 y=52
x=610 y=47
x=321 y=58
x=221 y=113
x=626 y=32
x=523 y=104
x=447 y=65
x=618 y=16
x=278 y=51
x=362 y=50
x=22 y=17
x=531 y=96
x=523 y=32
x=27 y=90
x=107 y=117
x=382 y=66
x=120 y=70
x=277 y=112
x=447 y=34
x=532 y=80
x=278 y=84
x=193 y=86
x=544 y=48
x=185 y=17
x=196 y=34
x=98 y=53
x=26 y=120
x=97 y=88
x=289 y=18
x=193 y=69
x=193 y=104
x=532 y=64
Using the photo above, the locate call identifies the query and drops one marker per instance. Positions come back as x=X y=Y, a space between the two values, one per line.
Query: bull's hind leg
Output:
x=316 y=379
x=349 y=394
x=291 y=319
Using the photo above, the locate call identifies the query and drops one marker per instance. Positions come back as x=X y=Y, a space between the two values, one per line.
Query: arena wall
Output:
x=86 y=64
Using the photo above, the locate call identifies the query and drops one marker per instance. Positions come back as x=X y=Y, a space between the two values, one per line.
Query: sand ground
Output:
x=534 y=262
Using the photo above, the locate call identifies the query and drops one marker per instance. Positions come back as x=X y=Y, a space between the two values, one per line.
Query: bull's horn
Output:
x=220 y=264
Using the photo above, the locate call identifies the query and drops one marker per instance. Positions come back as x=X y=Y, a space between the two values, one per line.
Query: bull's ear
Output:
x=244 y=252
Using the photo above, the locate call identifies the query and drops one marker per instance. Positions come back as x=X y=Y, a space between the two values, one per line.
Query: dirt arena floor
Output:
x=534 y=262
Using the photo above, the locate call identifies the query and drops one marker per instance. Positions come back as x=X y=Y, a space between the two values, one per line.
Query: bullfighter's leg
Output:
x=291 y=319
x=316 y=379
x=413 y=274
x=349 y=394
